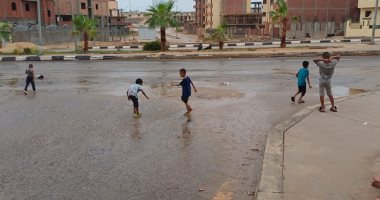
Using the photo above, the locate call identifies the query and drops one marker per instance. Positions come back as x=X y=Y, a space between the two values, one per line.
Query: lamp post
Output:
x=39 y=22
x=74 y=28
x=374 y=23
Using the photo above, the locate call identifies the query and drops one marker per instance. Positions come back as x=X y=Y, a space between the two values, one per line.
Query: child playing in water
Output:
x=186 y=84
x=302 y=75
x=132 y=94
x=29 y=79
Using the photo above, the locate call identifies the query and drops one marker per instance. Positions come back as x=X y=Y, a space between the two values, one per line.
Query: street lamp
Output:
x=39 y=22
x=374 y=23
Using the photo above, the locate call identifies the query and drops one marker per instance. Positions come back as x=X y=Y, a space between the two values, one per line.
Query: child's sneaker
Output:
x=25 y=92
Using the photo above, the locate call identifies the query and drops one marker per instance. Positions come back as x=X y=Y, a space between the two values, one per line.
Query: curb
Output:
x=159 y=56
x=271 y=178
x=246 y=44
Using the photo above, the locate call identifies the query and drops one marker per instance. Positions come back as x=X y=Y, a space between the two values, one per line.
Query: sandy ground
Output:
x=77 y=138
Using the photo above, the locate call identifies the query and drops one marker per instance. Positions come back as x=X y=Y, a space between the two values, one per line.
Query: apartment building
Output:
x=238 y=15
x=65 y=9
x=24 y=12
x=363 y=27
x=317 y=18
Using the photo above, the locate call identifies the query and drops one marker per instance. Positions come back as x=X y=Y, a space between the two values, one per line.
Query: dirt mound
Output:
x=18 y=47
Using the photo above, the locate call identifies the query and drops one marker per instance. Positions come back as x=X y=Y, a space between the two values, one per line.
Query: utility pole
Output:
x=74 y=28
x=374 y=25
x=178 y=15
x=39 y=22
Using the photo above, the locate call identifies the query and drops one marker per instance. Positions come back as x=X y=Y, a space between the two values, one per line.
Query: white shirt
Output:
x=134 y=90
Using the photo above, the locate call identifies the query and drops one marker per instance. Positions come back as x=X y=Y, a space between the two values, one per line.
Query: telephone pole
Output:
x=39 y=22
x=374 y=25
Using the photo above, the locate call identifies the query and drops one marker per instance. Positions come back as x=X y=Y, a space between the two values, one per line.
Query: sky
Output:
x=142 y=5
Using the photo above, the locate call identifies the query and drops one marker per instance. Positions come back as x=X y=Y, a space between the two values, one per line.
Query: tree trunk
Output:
x=163 y=39
x=85 y=41
x=283 y=32
x=221 y=44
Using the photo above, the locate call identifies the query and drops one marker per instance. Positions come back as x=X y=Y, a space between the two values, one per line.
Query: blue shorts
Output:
x=185 y=99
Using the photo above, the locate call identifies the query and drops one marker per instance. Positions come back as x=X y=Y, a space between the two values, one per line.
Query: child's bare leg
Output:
x=189 y=109
x=297 y=94
x=300 y=99
x=322 y=99
x=331 y=97
x=137 y=110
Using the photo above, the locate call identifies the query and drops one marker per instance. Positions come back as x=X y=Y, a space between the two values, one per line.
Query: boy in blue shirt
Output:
x=186 y=84
x=302 y=75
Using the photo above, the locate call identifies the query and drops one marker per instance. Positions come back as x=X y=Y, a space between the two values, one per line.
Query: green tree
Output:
x=161 y=16
x=86 y=27
x=5 y=33
x=281 y=16
x=219 y=35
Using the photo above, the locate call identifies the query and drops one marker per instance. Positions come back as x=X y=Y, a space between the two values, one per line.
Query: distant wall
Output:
x=64 y=35
x=315 y=30
x=48 y=36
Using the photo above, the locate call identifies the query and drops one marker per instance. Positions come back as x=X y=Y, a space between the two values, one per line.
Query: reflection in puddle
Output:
x=136 y=129
x=13 y=82
x=344 y=91
x=186 y=131
x=86 y=80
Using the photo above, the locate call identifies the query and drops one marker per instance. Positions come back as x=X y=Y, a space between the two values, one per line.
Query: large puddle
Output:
x=340 y=91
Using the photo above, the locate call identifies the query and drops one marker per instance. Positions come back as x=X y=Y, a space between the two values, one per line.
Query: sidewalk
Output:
x=327 y=156
x=343 y=49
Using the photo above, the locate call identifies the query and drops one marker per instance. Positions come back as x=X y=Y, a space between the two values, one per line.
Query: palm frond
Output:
x=161 y=15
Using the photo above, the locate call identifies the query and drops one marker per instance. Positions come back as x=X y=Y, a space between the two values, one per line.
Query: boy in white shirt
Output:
x=132 y=94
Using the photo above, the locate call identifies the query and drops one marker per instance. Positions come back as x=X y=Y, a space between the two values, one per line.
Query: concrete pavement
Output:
x=325 y=156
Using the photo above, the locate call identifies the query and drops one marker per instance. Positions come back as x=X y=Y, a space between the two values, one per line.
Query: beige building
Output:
x=363 y=28
x=209 y=14
x=113 y=8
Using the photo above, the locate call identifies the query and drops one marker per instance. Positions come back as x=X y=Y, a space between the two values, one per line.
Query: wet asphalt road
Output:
x=77 y=138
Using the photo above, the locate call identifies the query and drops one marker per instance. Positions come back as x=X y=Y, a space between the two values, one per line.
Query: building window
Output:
x=96 y=6
x=27 y=7
x=367 y=13
x=83 y=6
x=264 y=1
x=264 y=14
x=118 y=20
x=14 y=6
x=66 y=18
x=49 y=13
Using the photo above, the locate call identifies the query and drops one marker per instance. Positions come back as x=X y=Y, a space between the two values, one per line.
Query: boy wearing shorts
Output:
x=186 y=84
x=302 y=75
x=326 y=66
x=132 y=94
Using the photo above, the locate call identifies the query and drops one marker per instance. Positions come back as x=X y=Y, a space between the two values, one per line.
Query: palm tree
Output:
x=161 y=16
x=86 y=27
x=219 y=35
x=280 y=15
x=5 y=32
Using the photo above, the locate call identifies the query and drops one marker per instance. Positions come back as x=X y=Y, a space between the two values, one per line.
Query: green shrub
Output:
x=17 y=52
x=28 y=51
x=152 y=46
